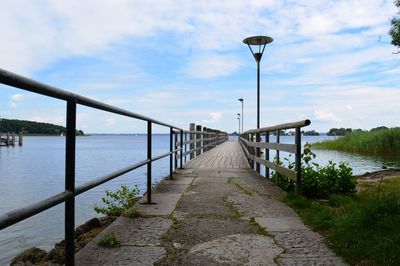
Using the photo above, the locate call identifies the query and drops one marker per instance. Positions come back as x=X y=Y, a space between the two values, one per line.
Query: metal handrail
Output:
x=71 y=190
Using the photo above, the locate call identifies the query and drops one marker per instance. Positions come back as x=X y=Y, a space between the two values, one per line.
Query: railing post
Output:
x=171 y=133
x=13 y=138
x=185 y=146
x=21 y=138
x=252 y=150
x=149 y=148
x=298 y=160
x=8 y=139
x=258 y=139
x=198 y=140
x=191 y=146
x=69 y=224
x=181 y=158
x=205 y=136
x=175 y=152
x=278 y=138
x=267 y=154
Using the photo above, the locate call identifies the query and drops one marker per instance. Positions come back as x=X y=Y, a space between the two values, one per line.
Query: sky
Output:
x=185 y=61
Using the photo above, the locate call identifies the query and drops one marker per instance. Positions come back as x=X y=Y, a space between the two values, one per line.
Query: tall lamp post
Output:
x=239 y=127
x=241 y=100
x=258 y=42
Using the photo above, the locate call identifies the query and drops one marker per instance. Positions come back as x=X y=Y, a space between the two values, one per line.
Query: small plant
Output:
x=109 y=240
x=132 y=212
x=119 y=201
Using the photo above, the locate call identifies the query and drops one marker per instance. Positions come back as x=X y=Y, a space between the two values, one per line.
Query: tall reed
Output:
x=377 y=142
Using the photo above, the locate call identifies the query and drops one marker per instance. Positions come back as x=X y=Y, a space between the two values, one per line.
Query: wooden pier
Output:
x=10 y=139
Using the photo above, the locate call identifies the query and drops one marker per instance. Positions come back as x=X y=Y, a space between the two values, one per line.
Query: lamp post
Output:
x=239 y=127
x=241 y=100
x=260 y=42
x=239 y=122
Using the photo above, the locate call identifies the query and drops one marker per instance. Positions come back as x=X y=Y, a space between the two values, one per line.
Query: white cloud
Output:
x=15 y=99
x=325 y=116
x=213 y=66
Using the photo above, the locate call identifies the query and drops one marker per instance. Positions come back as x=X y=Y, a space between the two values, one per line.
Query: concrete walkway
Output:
x=223 y=214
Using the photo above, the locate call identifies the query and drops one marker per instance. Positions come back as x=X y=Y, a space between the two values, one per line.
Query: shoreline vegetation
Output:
x=32 y=128
x=380 y=141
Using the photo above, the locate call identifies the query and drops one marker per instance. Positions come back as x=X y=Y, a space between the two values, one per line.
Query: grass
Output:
x=260 y=230
x=378 y=142
x=240 y=187
x=234 y=212
x=364 y=229
x=109 y=241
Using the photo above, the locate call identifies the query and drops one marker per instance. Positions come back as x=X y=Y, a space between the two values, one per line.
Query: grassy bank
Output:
x=378 y=142
x=364 y=228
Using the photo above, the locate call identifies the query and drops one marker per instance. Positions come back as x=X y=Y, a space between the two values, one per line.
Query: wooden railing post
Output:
x=298 y=160
x=13 y=138
x=198 y=140
x=21 y=138
x=175 y=148
x=258 y=139
x=192 y=127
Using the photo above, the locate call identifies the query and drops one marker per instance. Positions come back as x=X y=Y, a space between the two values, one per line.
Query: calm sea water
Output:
x=36 y=171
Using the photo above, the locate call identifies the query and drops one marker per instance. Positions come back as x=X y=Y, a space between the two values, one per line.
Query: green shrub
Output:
x=318 y=181
x=119 y=202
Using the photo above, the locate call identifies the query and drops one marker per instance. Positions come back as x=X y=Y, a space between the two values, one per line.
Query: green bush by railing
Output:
x=319 y=181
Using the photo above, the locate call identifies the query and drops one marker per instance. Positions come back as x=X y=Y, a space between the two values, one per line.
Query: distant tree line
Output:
x=344 y=131
x=33 y=128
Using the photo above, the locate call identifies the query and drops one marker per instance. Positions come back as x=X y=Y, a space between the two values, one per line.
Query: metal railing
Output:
x=71 y=190
x=252 y=144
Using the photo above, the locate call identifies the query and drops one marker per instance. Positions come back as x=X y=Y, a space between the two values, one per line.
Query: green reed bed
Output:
x=378 y=142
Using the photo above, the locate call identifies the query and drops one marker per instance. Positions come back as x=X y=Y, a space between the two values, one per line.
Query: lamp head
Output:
x=260 y=42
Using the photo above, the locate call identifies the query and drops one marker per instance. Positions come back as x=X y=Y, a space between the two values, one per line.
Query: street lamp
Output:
x=239 y=127
x=260 y=42
x=241 y=100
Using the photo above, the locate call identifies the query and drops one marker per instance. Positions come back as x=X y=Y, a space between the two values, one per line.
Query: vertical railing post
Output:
x=298 y=160
x=171 y=133
x=181 y=157
x=21 y=138
x=198 y=140
x=185 y=146
x=278 y=137
x=267 y=154
x=149 y=148
x=205 y=136
x=13 y=138
x=252 y=150
x=8 y=139
x=69 y=224
x=175 y=152
x=191 y=146
x=258 y=139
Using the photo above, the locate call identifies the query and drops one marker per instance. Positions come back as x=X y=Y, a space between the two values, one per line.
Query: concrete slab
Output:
x=278 y=224
x=260 y=206
x=165 y=204
x=124 y=255
x=239 y=249
x=139 y=231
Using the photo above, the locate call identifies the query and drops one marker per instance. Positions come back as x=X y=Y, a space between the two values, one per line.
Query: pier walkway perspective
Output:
x=215 y=211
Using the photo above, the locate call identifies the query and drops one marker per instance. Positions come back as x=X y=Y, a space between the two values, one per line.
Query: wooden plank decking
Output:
x=227 y=155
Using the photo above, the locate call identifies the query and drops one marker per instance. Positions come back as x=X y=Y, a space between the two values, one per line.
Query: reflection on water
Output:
x=36 y=171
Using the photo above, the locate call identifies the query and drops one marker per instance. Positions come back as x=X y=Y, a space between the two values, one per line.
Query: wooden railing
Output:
x=252 y=146
x=198 y=140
